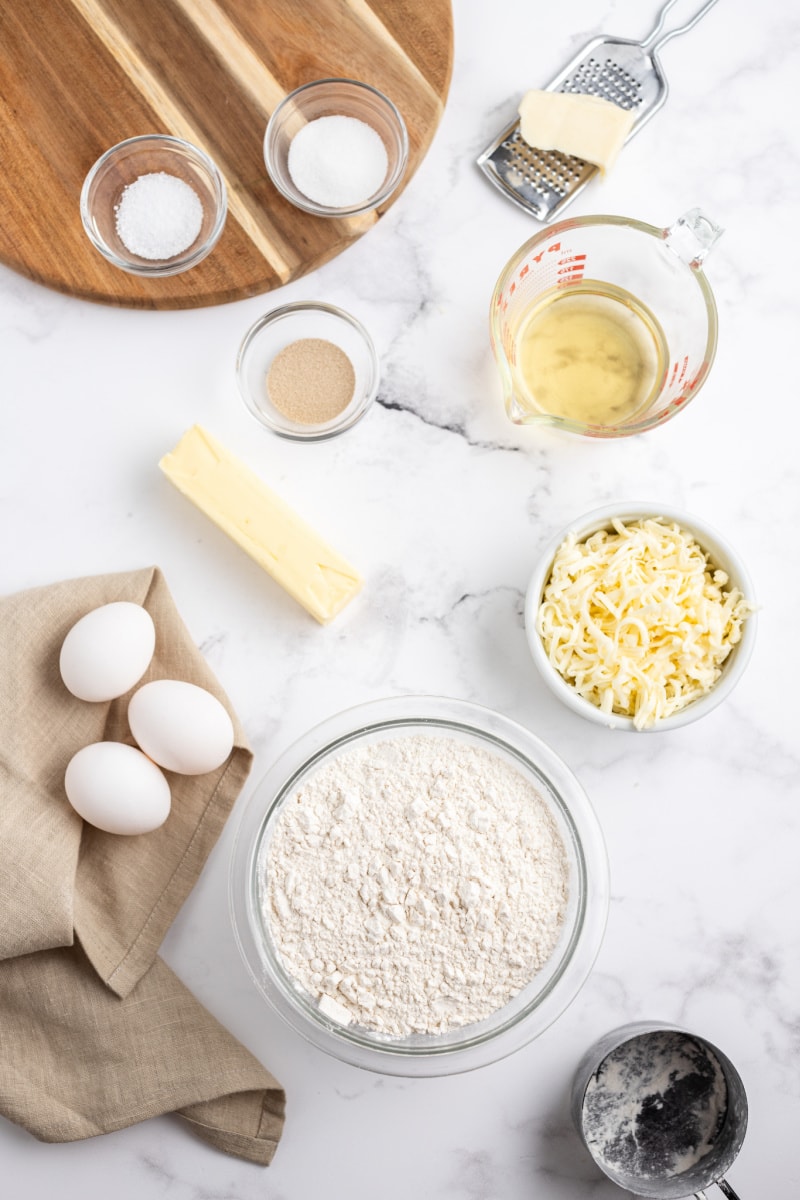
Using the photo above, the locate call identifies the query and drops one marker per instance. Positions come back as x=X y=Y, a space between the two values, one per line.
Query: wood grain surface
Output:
x=78 y=76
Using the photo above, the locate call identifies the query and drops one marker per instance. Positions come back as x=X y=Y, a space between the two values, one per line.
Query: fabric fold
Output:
x=96 y=1032
x=78 y=1061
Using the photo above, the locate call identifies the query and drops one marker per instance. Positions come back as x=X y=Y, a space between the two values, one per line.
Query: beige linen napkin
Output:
x=96 y=1032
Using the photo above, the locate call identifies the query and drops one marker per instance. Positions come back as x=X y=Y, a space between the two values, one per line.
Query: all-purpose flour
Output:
x=415 y=884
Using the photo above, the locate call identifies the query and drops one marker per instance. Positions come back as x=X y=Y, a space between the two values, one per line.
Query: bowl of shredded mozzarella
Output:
x=640 y=617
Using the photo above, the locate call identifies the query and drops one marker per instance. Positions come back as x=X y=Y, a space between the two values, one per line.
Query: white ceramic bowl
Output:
x=530 y=1012
x=722 y=555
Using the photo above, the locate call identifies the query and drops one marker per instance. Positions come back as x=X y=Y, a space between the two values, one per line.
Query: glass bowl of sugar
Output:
x=307 y=371
x=336 y=147
x=419 y=886
x=154 y=205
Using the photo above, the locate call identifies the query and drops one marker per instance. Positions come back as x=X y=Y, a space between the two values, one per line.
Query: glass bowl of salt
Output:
x=154 y=205
x=336 y=147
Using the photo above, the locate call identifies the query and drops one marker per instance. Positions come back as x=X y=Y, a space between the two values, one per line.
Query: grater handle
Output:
x=653 y=42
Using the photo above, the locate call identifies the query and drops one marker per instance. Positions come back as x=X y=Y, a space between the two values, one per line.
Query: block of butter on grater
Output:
x=262 y=524
x=587 y=127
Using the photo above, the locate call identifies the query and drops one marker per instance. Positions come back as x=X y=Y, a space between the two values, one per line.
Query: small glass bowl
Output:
x=278 y=329
x=721 y=555
x=329 y=98
x=530 y=1012
x=122 y=165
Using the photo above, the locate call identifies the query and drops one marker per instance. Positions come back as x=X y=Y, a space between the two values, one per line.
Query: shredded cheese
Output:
x=638 y=620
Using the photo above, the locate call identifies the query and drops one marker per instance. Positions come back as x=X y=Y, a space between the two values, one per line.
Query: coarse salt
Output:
x=337 y=161
x=158 y=216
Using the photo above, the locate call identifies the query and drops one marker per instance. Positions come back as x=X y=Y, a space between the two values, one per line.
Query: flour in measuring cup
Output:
x=655 y=1106
x=415 y=884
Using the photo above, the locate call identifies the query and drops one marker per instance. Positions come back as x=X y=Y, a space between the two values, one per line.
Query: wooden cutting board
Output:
x=78 y=76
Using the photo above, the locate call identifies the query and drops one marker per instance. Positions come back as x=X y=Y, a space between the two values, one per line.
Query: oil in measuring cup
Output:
x=592 y=353
x=605 y=326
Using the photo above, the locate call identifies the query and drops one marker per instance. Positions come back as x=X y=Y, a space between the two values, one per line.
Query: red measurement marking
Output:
x=537 y=258
x=508 y=346
x=569 y=275
x=699 y=377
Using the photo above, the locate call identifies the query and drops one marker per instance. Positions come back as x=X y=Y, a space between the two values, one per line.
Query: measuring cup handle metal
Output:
x=727 y=1190
x=724 y=1187
x=650 y=43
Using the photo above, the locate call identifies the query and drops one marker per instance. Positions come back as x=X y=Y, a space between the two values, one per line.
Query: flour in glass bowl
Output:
x=414 y=885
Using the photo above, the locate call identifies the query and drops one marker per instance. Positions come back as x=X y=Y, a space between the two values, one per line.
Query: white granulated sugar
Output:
x=417 y=883
x=337 y=161
x=158 y=216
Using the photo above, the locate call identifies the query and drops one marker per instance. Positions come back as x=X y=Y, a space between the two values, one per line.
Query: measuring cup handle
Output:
x=692 y=236
x=727 y=1190
x=650 y=42
x=724 y=1187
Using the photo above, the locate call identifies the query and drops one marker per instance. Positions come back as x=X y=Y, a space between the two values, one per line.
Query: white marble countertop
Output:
x=445 y=505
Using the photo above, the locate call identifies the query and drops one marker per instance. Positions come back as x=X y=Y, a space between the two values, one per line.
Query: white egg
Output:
x=180 y=726
x=117 y=788
x=106 y=652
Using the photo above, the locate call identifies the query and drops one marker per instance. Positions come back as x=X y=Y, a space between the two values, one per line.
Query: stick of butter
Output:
x=587 y=127
x=262 y=524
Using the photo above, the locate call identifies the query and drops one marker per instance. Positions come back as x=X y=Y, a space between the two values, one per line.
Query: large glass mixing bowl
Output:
x=533 y=1009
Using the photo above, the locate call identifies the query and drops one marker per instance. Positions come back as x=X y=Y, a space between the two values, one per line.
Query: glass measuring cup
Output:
x=662 y=1112
x=605 y=326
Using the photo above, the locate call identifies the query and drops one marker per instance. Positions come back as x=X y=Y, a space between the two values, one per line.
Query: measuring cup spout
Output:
x=504 y=353
x=692 y=236
x=518 y=412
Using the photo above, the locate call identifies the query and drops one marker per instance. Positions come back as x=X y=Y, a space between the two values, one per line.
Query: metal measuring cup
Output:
x=711 y=1168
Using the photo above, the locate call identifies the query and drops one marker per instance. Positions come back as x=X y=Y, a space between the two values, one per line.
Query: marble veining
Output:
x=445 y=505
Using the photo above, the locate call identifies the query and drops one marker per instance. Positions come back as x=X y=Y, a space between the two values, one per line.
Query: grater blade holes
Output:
x=546 y=171
x=608 y=81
